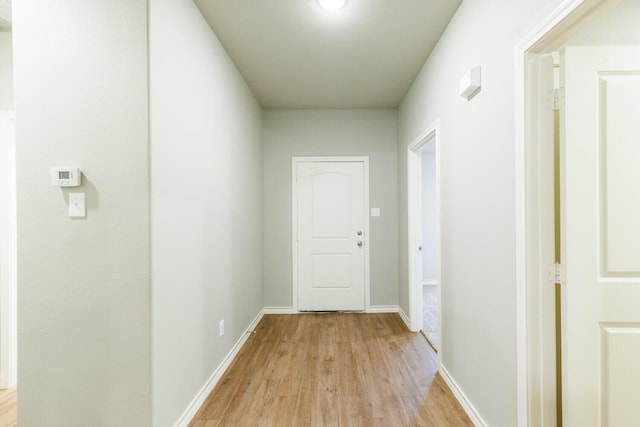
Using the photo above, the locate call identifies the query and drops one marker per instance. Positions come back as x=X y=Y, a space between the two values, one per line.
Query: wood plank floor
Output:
x=332 y=370
x=8 y=408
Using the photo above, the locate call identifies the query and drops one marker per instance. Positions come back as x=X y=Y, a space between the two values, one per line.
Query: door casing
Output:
x=557 y=28
x=294 y=222
x=430 y=135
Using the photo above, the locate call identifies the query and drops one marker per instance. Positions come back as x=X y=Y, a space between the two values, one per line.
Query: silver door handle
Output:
x=360 y=243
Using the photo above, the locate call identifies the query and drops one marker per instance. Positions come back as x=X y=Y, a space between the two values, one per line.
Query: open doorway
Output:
x=579 y=125
x=424 y=236
x=8 y=226
x=8 y=281
x=428 y=248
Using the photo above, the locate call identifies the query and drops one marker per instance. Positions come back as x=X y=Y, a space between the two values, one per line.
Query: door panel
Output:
x=619 y=100
x=330 y=204
x=331 y=212
x=602 y=234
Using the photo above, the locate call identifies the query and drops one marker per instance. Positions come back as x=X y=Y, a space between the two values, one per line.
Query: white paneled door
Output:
x=601 y=351
x=332 y=236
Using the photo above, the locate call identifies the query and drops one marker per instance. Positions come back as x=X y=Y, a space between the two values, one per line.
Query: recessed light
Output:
x=332 y=4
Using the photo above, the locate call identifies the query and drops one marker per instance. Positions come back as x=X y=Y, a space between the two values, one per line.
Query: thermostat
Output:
x=65 y=177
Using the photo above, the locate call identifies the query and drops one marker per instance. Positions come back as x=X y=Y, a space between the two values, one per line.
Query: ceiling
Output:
x=293 y=54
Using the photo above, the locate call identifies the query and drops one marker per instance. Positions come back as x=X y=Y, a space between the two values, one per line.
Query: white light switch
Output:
x=375 y=211
x=77 y=207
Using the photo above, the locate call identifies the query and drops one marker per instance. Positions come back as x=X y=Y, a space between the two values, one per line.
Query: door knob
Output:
x=360 y=243
x=420 y=248
x=359 y=233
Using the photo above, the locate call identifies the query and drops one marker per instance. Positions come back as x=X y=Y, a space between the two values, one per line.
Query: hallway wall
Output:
x=6 y=71
x=206 y=205
x=617 y=26
x=84 y=286
x=288 y=133
x=476 y=148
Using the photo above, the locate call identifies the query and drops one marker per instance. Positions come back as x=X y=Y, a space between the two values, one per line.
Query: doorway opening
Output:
x=423 y=165
x=428 y=246
x=542 y=196
x=8 y=274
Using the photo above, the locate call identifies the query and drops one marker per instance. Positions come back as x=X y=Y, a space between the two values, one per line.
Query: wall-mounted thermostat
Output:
x=65 y=177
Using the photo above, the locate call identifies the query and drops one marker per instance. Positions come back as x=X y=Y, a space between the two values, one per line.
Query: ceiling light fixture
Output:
x=332 y=4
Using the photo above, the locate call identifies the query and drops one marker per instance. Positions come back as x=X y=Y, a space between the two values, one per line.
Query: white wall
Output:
x=428 y=217
x=206 y=205
x=288 y=133
x=618 y=26
x=6 y=71
x=477 y=194
x=83 y=326
x=7 y=166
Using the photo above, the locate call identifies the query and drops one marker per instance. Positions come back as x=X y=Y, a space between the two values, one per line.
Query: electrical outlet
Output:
x=221 y=329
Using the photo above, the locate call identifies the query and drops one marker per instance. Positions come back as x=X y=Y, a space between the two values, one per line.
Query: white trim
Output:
x=294 y=221
x=404 y=317
x=429 y=283
x=294 y=233
x=522 y=279
x=553 y=29
x=279 y=310
x=384 y=309
x=372 y=309
x=204 y=392
x=8 y=288
x=473 y=414
x=414 y=221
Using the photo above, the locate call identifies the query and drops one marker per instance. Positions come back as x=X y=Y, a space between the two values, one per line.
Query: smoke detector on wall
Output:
x=471 y=83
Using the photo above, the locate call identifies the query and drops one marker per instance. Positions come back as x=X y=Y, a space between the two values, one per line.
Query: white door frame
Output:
x=8 y=287
x=561 y=24
x=414 y=210
x=294 y=222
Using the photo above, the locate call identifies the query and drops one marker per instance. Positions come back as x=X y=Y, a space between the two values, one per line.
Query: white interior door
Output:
x=331 y=235
x=601 y=342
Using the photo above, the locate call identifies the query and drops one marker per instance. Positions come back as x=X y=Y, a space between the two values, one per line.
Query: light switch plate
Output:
x=77 y=207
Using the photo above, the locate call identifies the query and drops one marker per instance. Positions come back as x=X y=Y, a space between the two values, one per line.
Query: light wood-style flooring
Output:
x=8 y=408
x=332 y=370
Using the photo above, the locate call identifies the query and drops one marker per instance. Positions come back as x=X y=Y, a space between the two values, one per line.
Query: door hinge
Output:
x=559 y=274
x=558 y=98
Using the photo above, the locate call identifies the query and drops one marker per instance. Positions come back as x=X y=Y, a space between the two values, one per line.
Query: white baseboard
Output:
x=383 y=309
x=404 y=317
x=372 y=309
x=278 y=310
x=197 y=402
x=476 y=419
